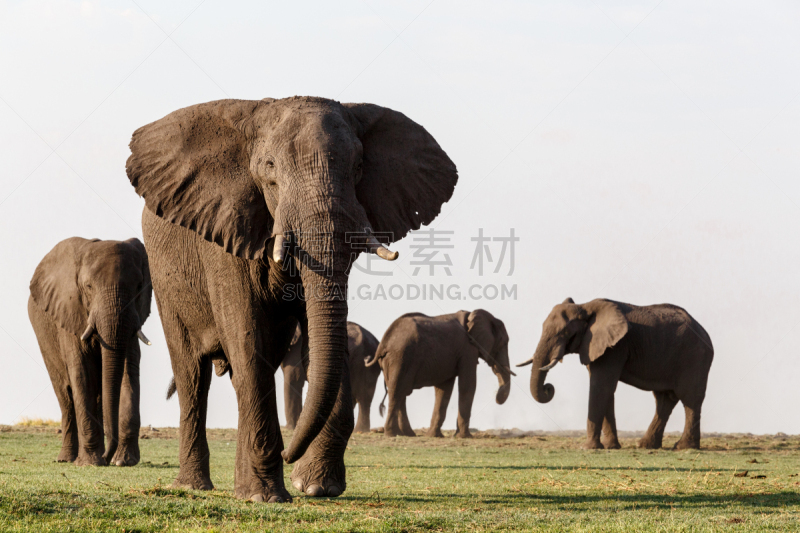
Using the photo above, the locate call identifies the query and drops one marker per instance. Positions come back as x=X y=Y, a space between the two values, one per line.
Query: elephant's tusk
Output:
x=377 y=248
x=143 y=338
x=509 y=370
x=278 y=248
x=88 y=332
x=551 y=365
x=526 y=363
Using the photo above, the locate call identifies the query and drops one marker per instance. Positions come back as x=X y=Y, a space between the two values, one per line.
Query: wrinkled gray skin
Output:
x=361 y=346
x=422 y=351
x=89 y=299
x=254 y=212
x=658 y=348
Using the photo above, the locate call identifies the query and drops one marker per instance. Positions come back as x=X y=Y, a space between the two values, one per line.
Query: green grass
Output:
x=414 y=484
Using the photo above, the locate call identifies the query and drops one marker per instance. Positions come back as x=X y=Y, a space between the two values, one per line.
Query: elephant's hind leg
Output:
x=443 y=393
x=691 y=430
x=405 y=424
x=192 y=379
x=665 y=403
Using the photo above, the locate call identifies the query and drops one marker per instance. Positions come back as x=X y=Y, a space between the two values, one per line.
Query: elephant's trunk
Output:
x=545 y=354
x=322 y=265
x=116 y=327
x=503 y=373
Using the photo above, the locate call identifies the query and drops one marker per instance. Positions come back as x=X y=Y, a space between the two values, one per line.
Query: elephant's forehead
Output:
x=110 y=259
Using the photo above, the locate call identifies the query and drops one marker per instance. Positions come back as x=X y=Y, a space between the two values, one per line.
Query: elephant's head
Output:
x=489 y=335
x=319 y=176
x=100 y=292
x=588 y=329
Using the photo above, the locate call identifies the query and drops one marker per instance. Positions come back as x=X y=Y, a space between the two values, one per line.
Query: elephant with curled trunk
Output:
x=422 y=351
x=658 y=348
x=89 y=299
x=361 y=346
x=254 y=212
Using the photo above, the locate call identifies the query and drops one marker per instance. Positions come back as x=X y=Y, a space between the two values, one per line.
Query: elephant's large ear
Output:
x=144 y=298
x=607 y=326
x=406 y=176
x=482 y=332
x=193 y=169
x=55 y=289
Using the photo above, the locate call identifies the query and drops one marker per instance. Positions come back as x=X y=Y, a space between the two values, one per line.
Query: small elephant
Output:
x=89 y=299
x=422 y=351
x=361 y=346
x=659 y=348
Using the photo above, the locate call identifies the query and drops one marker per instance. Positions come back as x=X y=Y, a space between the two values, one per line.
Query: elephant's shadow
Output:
x=148 y=464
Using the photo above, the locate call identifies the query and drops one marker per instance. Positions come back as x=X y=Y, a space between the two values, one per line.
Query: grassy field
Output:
x=736 y=483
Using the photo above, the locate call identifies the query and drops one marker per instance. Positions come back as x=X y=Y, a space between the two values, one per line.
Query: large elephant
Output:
x=658 y=348
x=89 y=299
x=361 y=346
x=422 y=351
x=254 y=212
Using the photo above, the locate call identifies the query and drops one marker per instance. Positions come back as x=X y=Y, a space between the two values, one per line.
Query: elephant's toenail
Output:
x=334 y=490
x=257 y=498
x=315 y=490
x=298 y=485
x=277 y=499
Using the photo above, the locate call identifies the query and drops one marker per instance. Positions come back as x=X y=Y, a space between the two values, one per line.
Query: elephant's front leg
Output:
x=84 y=376
x=467 y=381
x=321 y=470
x=443 y=393
x=610 y=439
x=127 y=453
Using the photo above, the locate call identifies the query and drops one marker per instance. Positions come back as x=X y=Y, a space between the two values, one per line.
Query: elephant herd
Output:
x=254 y=212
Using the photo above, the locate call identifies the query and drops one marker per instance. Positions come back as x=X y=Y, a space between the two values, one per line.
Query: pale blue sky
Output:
x=643 y=151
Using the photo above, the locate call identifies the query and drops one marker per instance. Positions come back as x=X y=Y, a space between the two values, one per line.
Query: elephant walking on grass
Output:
x=88 y=302
x=254 y=213
x=659 y=348
x=422 y=351
x=361 y=346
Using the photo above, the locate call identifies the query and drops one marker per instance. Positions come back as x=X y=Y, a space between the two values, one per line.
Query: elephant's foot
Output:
x=192 y=481
x=319 y=477
x=687 y=444
x=361 y=428
x=90 y=459
x=67 y=455
x=389 y=431
x=126 y=455
x=649 y=442
x=263 y=490
x=434 y=433
x=611 y=444
x=593 y=444
x=463 y=434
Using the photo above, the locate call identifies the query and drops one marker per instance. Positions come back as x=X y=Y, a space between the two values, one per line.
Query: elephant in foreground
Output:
x=254 y=212
x=88 y=302
x=658 y=348
x=422 y=351
x=361 y=346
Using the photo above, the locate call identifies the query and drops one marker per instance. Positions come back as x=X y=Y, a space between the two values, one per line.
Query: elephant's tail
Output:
x=172 y=389
x=382 y=407
x=375 y=357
